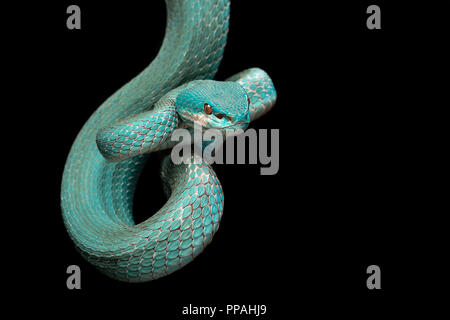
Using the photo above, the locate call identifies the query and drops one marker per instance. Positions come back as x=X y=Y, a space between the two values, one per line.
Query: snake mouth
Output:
x=238 y=125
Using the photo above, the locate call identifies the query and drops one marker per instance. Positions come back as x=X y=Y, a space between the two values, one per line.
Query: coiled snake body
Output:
x=108 y=154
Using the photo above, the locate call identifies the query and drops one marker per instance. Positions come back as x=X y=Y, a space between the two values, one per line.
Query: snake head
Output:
x=214 y=104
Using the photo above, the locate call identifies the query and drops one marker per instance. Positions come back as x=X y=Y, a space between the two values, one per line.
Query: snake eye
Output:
x=207 y=108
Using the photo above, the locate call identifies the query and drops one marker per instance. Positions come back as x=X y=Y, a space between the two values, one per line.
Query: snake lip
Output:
x=238 y=125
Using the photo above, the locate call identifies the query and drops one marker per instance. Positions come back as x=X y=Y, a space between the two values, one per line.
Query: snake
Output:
x=176 y=90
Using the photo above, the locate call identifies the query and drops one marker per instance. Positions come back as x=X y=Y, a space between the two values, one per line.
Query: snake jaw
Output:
x=240 y=125
x=214 y=122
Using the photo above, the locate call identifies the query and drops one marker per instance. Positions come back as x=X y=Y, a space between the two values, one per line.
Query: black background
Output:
x=300 y=240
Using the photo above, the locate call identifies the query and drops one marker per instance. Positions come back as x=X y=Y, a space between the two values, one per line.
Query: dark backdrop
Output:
x=301 y=239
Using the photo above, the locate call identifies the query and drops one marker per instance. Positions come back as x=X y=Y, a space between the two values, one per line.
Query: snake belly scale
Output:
x=175 y=91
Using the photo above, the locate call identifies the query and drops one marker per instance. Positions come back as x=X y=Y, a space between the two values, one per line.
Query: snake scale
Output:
x=175 y=91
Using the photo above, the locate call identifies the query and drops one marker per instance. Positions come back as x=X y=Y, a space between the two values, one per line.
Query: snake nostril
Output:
x=220 y=115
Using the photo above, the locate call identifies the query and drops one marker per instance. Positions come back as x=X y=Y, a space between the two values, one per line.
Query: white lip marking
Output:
x=234 y=124
x=198 y=118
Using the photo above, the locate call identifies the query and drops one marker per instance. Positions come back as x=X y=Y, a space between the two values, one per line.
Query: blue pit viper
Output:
x=175 y=91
